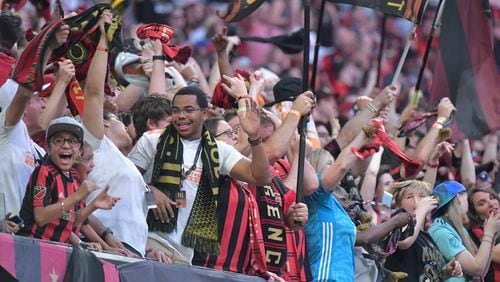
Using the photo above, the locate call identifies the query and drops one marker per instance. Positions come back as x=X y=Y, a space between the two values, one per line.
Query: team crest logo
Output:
x=39 y=192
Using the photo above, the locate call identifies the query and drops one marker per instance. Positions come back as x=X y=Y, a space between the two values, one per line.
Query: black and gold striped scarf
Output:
x=201 y=230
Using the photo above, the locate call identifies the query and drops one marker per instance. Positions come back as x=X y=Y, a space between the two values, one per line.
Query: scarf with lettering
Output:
x=201 y=230
x=28 y=70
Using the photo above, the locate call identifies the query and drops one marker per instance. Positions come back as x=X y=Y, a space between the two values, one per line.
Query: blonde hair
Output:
x=319 y=159
x=454 y=216
x=399 y=188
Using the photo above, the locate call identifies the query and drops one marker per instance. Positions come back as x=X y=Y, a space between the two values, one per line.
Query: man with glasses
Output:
x=183 y=164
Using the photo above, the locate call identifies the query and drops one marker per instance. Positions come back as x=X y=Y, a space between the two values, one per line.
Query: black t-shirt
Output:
x=422 y=261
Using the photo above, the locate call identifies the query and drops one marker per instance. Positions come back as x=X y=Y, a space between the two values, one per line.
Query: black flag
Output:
x=412 y=10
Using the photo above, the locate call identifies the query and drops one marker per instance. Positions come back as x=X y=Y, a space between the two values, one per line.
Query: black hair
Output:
x=10 y=28
x=327 y=125
x=230 y=114
x=154 y=107
x=212 y=123
x=201 y=98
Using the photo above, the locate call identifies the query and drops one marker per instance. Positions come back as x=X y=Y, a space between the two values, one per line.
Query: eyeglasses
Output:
x=229 y=133
x=72 y=141
x=186 y=110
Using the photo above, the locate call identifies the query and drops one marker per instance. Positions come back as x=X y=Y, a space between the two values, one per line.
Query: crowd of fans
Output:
x=160 y=133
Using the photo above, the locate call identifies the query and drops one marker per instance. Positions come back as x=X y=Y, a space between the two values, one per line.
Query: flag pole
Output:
x=409 y=41
x=436 y=24
x=317 y=45
x=305 y=84
x=381 y=50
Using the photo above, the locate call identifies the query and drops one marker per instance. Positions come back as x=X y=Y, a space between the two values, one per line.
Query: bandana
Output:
x=382 y=139
x=164 y=33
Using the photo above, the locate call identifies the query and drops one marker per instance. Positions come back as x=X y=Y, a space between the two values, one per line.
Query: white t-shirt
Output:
x=143 y=155
x=18 y=158
x=127 y=219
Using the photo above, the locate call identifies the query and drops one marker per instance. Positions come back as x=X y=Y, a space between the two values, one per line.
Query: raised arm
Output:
x=429 y=142
x=15 y=110
x=433 y=163
x=311 y=183
x=334 y=174
x=370 y=180
x=221 y=43
x=158 y=80
x=354 y=125
x=467 y=171
x=94 y=86
x=255 y=171
x=57 y=101
x=279 y=142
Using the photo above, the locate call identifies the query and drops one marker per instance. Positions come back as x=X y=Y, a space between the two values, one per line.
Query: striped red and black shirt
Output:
x=47 y=186
x=236 y=208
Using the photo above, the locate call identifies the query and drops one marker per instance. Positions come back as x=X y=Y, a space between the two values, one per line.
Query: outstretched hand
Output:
x=249 y=118
x=104 y=200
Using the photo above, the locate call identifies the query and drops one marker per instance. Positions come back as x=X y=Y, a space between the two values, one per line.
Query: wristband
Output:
x=100 y=48
x=437 y=125
x=159 y=57
x=62 y=207
x=255 y=142
x=105 y=233
x=372 y=108
x=295 y=112
x=245 y=96
x=441 y=120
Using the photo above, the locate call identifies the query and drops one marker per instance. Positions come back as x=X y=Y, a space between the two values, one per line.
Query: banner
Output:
x=465 y=70
x=412 y=10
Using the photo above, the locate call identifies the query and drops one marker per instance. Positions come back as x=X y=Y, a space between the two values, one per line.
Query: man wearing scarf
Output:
x=183 y=163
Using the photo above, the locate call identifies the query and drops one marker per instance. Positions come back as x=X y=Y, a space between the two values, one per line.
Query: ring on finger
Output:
x=242 y=109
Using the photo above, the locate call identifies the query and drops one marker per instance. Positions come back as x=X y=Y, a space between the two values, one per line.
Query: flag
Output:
x=240 y=9
x=290 y=43
x=28 y=259
x=412 y=10
x=465 y=70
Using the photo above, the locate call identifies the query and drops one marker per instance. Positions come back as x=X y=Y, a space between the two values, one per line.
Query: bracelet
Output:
x=437 y=125
x=255 y=142
x=486 y=240
x=159 y=57
x=62 y=207
x=367 y=133
x=105 y=233
x=485 y=235
x=245 y=96
x=295 y=112
x=371 y=108
x=100 y=48
x=433 y=165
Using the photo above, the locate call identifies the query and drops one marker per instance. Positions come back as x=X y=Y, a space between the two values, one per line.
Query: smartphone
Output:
x=387 y=199
x=17 y=220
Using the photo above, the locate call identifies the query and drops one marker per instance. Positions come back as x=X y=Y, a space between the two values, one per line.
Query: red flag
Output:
x=74 y=95
x=465 y=69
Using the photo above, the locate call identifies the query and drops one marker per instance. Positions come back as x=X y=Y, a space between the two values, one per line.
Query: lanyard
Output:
x=193 y=167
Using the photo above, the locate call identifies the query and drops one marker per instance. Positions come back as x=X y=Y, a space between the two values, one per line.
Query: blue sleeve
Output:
x=447 y=239
x=319 y=195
